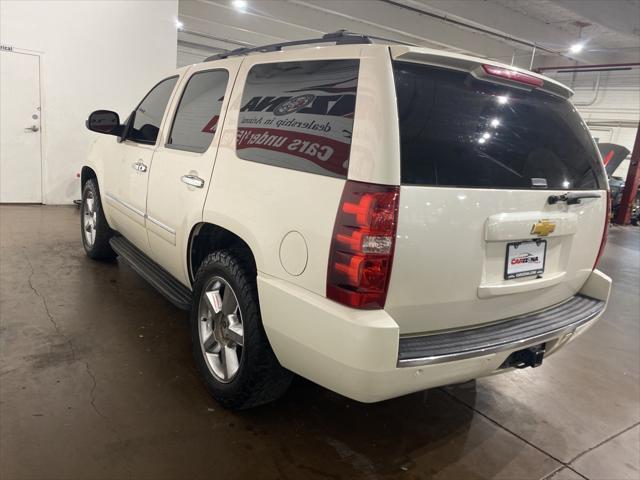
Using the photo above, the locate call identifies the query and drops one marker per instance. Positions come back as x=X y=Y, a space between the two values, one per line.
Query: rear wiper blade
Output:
x=571 y=198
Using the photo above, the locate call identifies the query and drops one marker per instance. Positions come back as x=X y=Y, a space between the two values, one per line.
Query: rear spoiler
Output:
x=475 y=66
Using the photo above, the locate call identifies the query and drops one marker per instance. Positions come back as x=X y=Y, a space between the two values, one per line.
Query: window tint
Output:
x=456 y=130
x=299 y=115
x=148 y=115
x=197 y=116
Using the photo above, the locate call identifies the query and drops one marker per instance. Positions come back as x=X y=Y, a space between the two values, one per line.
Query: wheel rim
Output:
x=221 y=330
x=89 y=219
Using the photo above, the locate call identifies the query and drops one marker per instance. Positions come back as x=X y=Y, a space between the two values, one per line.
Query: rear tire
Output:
x=94 y=229
x=230 y=346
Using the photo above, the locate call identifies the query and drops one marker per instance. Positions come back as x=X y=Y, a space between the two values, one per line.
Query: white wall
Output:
x=94 y=54
x=188 y=55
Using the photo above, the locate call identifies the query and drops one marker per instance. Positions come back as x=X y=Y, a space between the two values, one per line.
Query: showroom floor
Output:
x=97 y=381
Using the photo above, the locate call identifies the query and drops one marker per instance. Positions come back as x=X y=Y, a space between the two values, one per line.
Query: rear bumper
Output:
x=513 y=334
x=360 y=354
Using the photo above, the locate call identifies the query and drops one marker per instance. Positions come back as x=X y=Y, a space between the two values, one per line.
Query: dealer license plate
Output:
x=525 y=259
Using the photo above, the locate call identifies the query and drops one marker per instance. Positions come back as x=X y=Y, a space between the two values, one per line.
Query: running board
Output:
x=153 y=273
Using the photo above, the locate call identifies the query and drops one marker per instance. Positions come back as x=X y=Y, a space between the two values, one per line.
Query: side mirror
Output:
x=104 y=121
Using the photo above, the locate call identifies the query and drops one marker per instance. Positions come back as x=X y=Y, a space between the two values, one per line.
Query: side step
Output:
x=153 y=273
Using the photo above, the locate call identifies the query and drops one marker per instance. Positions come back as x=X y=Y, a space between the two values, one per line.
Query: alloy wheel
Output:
x=221 y=330
x=90 y=219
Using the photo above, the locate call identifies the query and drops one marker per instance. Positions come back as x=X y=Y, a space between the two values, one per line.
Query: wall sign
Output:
x=6 y=48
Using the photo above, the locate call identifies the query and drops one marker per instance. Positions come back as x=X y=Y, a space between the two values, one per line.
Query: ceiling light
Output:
x=495 y=122
x=179 y=25
x=239 y=5
x=502 y=99
x=576 y=47
x=482 y=140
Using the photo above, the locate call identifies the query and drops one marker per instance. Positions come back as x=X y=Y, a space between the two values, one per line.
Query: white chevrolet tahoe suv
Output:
x=378 y=219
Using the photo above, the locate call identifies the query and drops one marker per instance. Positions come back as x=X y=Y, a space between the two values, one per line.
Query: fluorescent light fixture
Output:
x=239 y=5
x=576 y=47
x=179 y=25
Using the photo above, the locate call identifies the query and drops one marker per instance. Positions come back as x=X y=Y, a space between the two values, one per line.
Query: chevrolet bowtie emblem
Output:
x=543 y=228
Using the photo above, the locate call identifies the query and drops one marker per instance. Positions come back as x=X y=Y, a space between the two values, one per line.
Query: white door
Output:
x=183 y=163
x=20 y=154
x=126 y=172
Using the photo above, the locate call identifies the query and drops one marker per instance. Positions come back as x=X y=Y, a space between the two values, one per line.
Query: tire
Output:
x=94 y=229
x=255 y=377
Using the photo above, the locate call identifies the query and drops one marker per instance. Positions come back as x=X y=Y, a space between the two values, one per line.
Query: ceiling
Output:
x=505 y=30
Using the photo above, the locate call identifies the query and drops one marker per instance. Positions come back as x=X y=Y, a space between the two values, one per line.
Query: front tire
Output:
x=94 y=229
x=230 y=346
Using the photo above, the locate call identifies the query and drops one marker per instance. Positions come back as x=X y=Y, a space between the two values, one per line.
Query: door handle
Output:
x=139 y=166
x=32 y=128
x=193 y=181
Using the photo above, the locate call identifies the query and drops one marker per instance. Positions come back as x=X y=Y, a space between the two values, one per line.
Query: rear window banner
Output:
x=212 y=125
x=299 y=115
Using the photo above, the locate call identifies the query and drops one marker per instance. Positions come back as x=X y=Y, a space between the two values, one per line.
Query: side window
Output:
x=197 y=116
x=299 y=115
x=148 y=115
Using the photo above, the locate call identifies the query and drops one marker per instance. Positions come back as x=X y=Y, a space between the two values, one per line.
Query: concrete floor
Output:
x=97 y=381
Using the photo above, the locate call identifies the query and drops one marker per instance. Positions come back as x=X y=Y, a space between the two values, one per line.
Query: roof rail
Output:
x=341 y=37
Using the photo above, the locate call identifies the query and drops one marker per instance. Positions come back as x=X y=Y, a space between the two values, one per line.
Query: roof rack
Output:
x=341 y=37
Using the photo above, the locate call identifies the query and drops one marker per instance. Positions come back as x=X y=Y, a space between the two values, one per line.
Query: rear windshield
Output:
x=456 y=130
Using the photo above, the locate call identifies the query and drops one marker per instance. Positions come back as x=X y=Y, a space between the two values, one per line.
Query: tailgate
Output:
x=478 y=238
x=449 y=264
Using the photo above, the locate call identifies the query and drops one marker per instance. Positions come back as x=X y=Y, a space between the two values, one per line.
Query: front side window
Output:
x=198 y=113
x=148 y=115
x=299 y=115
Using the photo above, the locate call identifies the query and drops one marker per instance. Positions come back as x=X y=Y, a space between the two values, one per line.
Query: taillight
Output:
x=605 y=232
x=362 y=245
x=513 y=75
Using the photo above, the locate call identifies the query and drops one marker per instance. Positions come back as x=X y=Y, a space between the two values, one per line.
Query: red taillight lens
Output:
x=513 y=75
x=362 y=245
x=605 y=232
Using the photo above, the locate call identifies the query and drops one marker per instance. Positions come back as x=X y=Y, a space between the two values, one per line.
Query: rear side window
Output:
x=198 y=113
x=456 y=130
x=299 y=115
x=148 y=115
